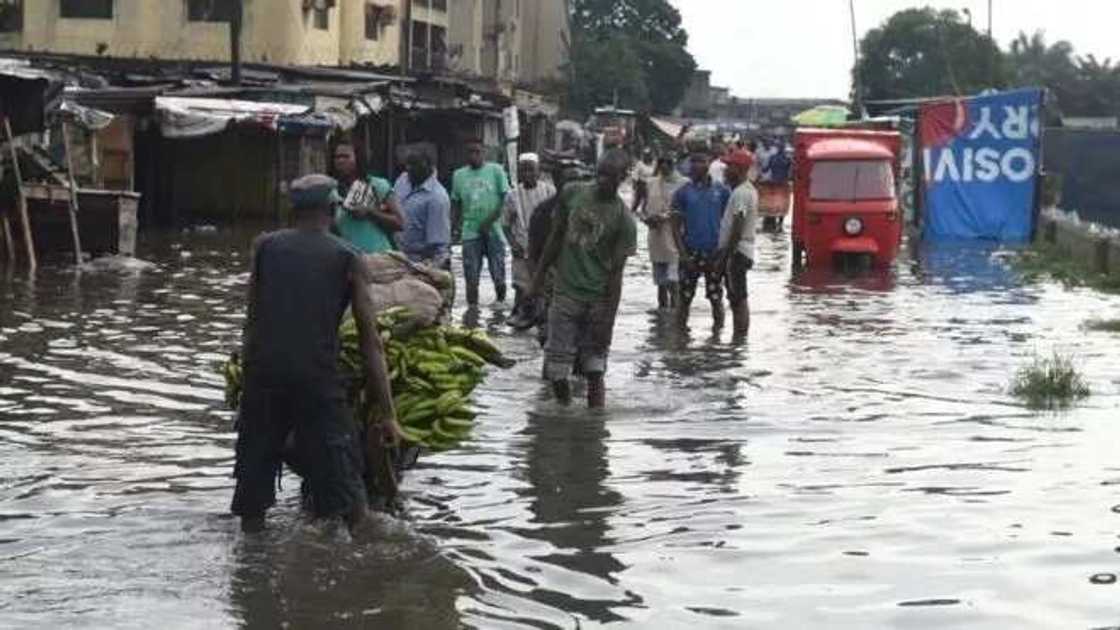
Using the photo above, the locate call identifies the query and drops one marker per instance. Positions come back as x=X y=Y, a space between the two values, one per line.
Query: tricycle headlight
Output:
x=853 y=226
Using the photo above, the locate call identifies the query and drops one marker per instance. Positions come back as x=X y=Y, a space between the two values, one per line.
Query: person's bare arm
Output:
x=389 y=216
x=641 y=193
x=736 y=234
x=490 y=220
x=551 y=249
x=378 y=388
x=251 y=297
x=677 y=223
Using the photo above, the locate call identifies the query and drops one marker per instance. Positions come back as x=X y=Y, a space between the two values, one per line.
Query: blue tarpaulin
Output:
x=981 y=164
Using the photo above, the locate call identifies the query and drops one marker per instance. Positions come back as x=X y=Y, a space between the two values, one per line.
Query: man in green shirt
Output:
x=592 y=236
x=478 y=191
x=369 y=213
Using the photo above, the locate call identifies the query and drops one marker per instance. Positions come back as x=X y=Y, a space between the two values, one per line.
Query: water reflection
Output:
x=566 y=467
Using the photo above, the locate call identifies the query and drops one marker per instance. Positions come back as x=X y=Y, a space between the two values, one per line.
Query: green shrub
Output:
x=1103 y=325
x=1049 y=382
x=1047 y=261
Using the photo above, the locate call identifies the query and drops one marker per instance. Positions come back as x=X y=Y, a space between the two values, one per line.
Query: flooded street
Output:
x=857 y=465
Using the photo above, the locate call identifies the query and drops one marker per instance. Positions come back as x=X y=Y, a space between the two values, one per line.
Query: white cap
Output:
x=529 y=157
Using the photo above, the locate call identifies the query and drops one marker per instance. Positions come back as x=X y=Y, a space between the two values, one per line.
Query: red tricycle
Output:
x=845 y=201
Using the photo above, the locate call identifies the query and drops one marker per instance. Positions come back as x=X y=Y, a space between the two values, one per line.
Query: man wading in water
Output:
x=592 y=236
x=301 y=282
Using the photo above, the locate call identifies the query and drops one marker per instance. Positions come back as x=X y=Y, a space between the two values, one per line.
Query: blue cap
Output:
x=314 y=191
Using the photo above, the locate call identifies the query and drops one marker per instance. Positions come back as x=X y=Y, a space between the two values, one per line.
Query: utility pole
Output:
x=989 y=19
x=406 y=37
x=235 y=16
x=856 y=74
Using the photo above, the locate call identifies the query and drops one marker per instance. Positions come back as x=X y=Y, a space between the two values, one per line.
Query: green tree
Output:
x=1097 y=91
x=638 y=48
x=1079 y=86
x=923 y=52
x=606 y=70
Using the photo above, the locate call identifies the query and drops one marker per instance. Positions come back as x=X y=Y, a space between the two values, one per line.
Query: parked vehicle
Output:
x=845 y=198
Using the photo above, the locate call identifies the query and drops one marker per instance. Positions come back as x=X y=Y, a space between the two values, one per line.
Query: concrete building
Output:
x=428 y=23
x=465 y=51
x=509 y=42
x=286 y=32
x=697 y=102
x=546 y=39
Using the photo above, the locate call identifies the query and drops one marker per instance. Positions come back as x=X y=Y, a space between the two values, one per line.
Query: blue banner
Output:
x=981 y=164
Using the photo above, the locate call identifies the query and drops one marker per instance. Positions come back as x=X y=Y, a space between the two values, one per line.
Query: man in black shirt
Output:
x=302 y=280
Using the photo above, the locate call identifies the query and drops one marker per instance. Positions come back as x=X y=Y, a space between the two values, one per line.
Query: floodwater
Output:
x=857 y=464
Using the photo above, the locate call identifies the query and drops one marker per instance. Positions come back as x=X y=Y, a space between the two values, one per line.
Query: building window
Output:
x=423 y=4
x=439 y=48
x=420 y=46
x=322 y=18
x=210 y=10
x=86 y=9
x=11 y=16
x=373 y=21
x=439 y=5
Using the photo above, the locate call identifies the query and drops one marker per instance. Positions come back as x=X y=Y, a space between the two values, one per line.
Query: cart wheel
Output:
x=798 y=255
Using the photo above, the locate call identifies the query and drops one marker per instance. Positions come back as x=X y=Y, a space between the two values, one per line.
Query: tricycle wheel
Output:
x=798 y=255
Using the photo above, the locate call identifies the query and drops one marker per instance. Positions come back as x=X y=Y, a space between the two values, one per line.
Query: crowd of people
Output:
x=569 y=241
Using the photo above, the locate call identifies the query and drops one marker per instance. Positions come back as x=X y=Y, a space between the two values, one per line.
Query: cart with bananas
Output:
x=434 y=369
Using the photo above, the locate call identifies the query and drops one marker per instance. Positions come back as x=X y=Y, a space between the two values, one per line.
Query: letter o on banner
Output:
x=1017 y=157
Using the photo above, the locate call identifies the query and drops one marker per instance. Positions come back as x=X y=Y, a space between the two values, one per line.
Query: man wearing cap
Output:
x=698 y=208
x=520 y=206
x=736 y=238
x=301 y=282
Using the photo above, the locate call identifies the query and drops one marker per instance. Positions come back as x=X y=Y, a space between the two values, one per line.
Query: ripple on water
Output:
x=856 y=464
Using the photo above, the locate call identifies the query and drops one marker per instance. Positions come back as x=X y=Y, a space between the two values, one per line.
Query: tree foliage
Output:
x=923 y=52
x=1080 y=86
x=636 y=49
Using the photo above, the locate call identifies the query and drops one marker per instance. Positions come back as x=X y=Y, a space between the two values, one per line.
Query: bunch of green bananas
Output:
x=433 y=371
x=231 y=370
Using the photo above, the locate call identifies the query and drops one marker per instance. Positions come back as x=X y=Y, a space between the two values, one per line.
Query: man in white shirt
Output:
x=653 y=201
x=762 y=159
x=736 y=238
x=517 y=214
x=718 y=166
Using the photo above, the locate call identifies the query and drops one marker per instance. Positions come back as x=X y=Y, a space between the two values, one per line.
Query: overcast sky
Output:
x=803 y=48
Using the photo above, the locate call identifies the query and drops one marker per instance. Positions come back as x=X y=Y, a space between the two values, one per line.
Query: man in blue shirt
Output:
x=426 y=237
x=698 y=209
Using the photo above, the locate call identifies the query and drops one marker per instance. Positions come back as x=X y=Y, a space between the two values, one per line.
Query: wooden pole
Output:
x=28 y=241
x=9 y=244
x=73 y=194
x=236 y=174
x=855 y=58
x=235 y=23
x=277 y=175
